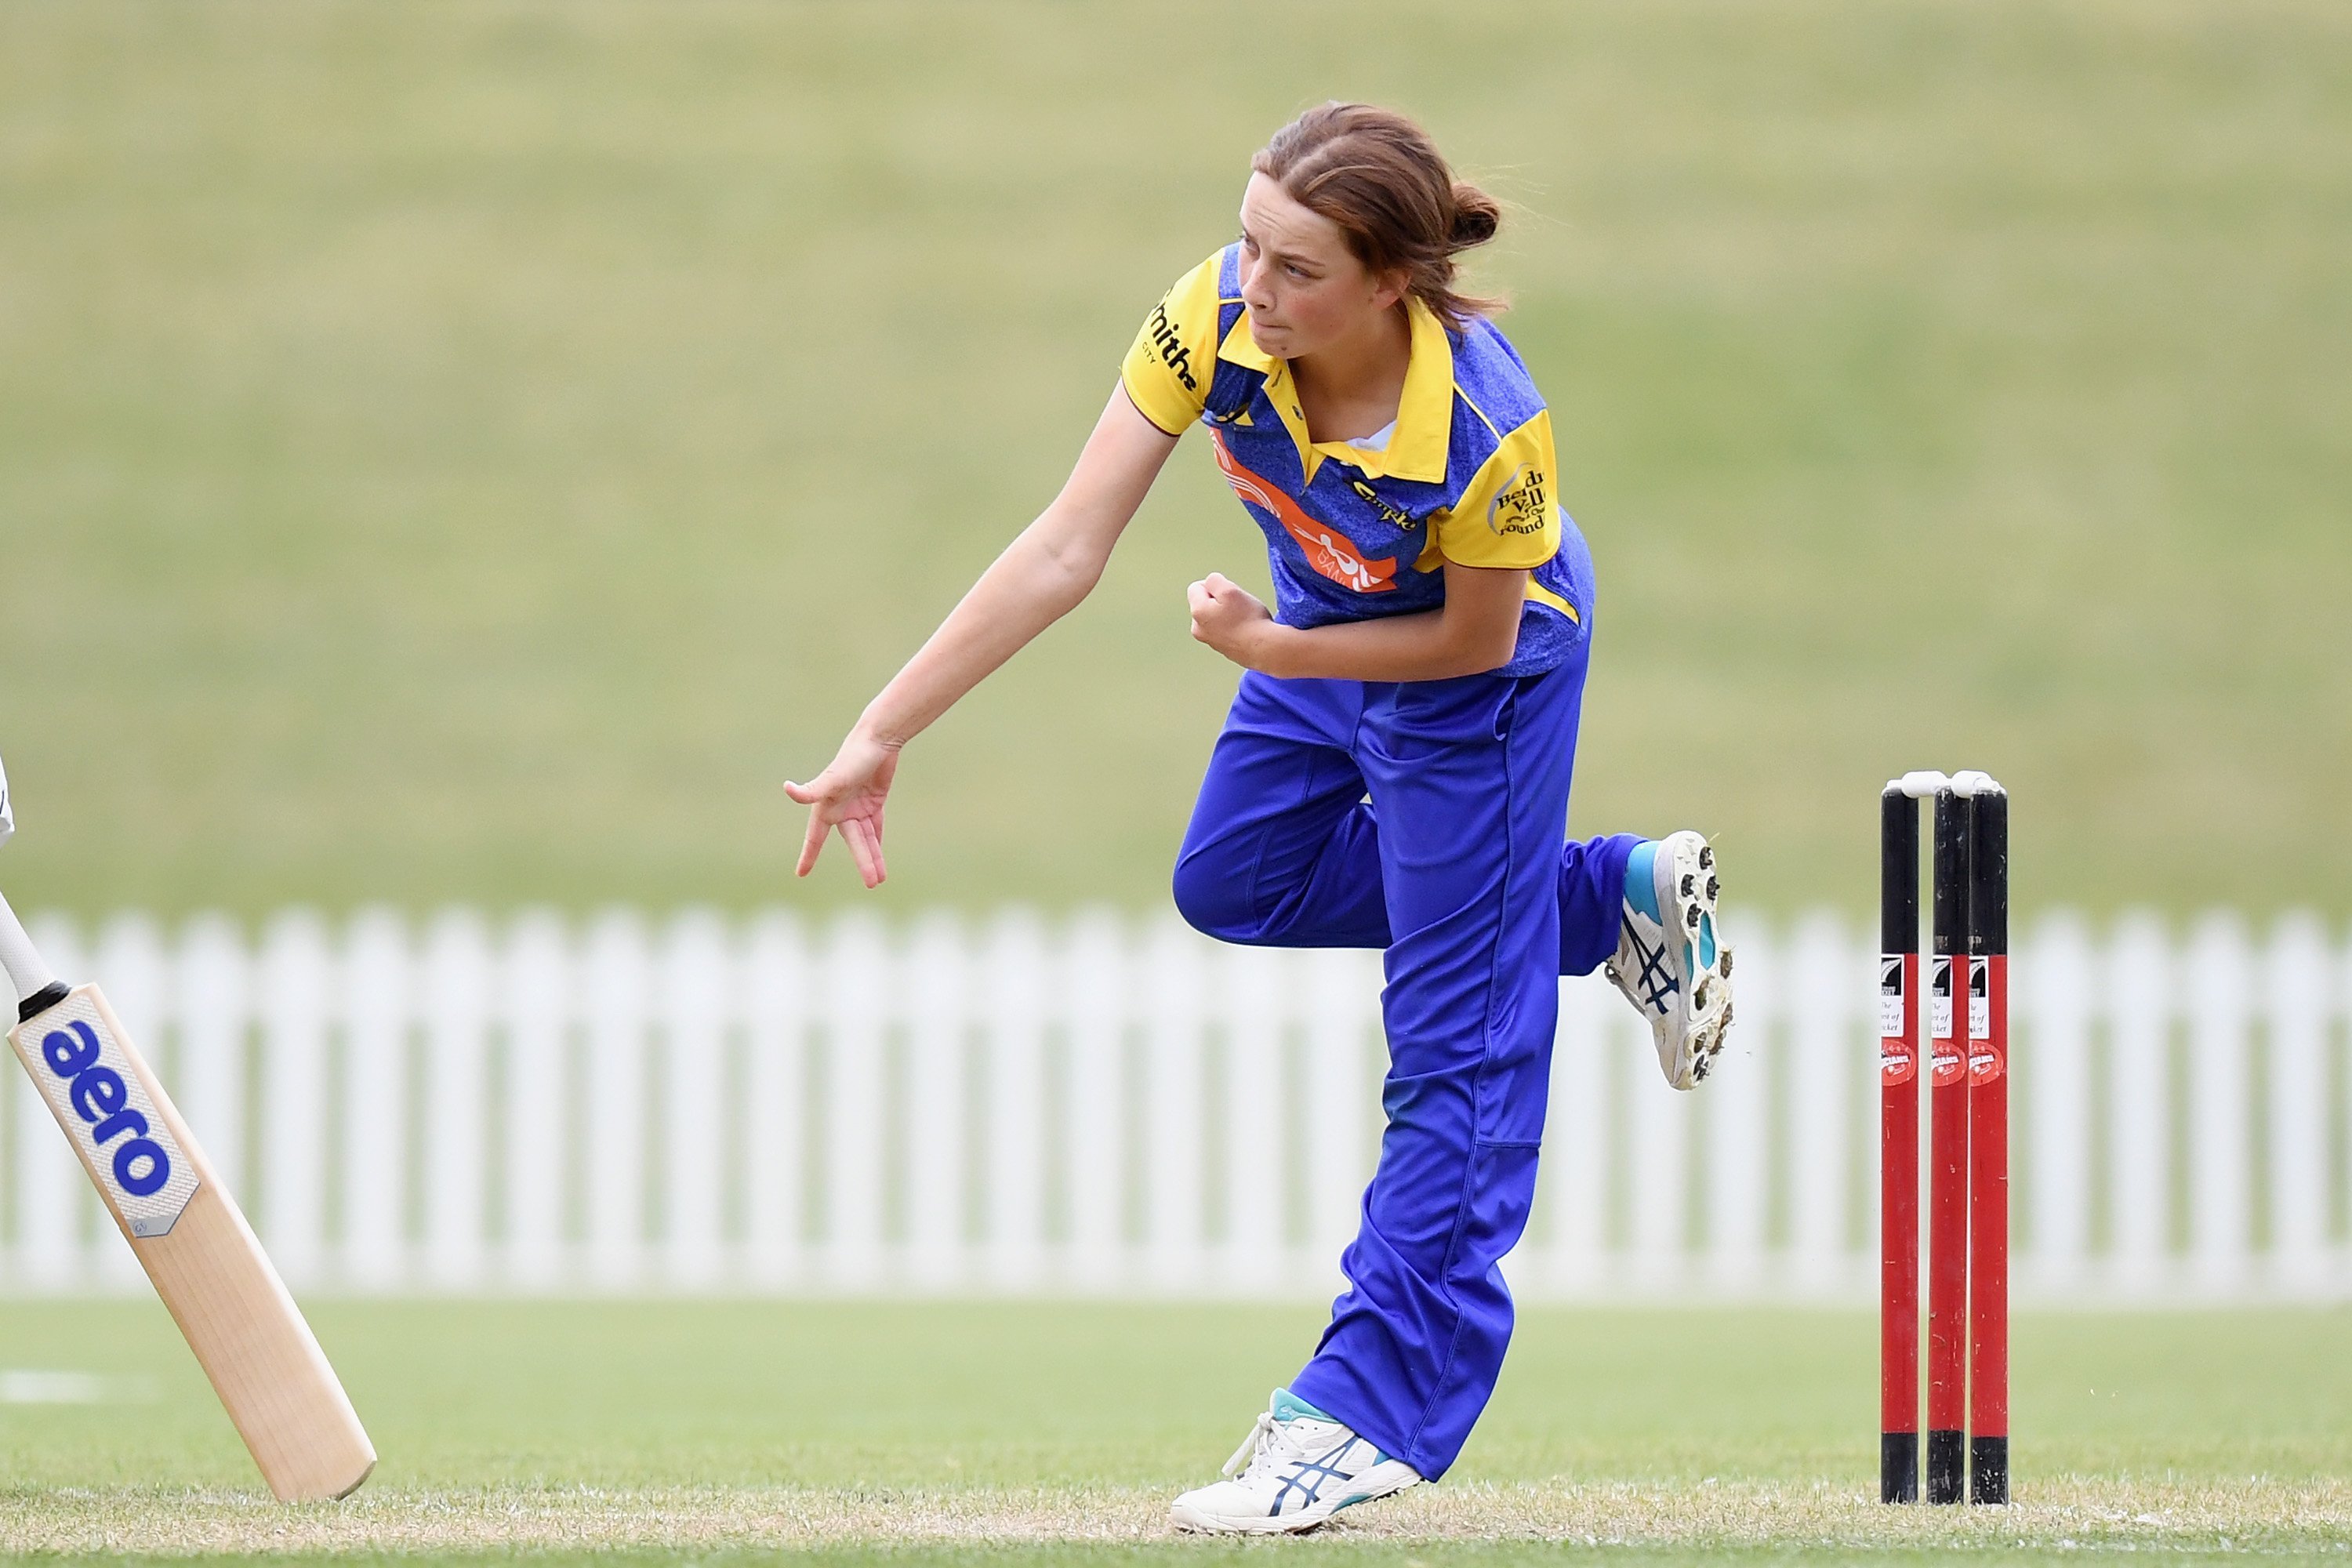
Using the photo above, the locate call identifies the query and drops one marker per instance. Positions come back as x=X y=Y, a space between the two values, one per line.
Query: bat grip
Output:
x=20 y=958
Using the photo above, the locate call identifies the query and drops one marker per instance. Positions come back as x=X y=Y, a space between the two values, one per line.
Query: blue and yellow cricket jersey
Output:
x=1468 y=474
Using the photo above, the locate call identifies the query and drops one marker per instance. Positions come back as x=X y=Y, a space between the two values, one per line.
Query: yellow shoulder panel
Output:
x=1167 y=368
x=1510 y=513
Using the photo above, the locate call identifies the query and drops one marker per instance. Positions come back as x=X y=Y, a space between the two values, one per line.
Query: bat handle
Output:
x=20 y=958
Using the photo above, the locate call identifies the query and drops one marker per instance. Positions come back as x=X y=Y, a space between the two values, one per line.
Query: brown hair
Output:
x=1378 y=176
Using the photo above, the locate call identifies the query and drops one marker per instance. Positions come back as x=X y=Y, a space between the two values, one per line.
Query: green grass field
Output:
x=478 y=450
x=1060 y=1431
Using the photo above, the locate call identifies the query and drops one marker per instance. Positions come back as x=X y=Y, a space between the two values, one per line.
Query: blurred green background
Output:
x=479 y=450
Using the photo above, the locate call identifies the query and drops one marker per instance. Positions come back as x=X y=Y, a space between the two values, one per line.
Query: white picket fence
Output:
x=1107 y=1105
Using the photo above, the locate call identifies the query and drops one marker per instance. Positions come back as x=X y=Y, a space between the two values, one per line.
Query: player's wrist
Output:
x=870 y=730
x=1274 y=648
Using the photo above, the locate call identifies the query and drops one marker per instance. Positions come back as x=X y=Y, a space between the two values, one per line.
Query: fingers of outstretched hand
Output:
x=811 y=842
x=865 y=840
x=813 y=794
x=855 y=811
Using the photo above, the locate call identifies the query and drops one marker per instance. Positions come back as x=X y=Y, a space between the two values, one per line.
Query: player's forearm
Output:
x=1040 y=578
x=1430 y=646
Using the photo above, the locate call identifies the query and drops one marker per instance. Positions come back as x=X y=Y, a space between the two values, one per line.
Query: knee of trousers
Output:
x=1212 y=895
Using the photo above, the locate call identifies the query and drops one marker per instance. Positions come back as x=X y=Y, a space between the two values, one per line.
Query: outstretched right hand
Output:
x=849 y=794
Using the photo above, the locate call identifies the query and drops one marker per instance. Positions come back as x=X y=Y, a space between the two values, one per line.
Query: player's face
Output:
x=1304 y=288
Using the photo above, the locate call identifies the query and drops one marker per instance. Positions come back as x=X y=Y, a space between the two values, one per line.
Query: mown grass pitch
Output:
x=1058 y=1432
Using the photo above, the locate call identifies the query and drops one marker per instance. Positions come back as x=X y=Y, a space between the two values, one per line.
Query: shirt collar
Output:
x=1425 y=413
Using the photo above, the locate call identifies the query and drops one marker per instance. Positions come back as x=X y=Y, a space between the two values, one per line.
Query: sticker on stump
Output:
x=1947 y=1060
x=98 y=1099
x=1890 y=995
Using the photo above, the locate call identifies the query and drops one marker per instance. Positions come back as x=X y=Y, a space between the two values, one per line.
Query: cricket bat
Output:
x=185 y=1227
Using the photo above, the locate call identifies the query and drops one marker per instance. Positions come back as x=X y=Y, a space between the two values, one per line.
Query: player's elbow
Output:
x=1484 y=645
x=1067 y=561
x=1498 y=648
x=1480 y=621
x=1075 y=576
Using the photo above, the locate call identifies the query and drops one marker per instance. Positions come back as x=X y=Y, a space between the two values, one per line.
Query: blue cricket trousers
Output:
x=1456 y=866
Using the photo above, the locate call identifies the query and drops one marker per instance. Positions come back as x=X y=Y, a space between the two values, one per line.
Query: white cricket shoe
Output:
x=1668 y=962
x=1296 y=1468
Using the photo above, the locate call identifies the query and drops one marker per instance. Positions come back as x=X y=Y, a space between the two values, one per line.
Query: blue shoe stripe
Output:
x=1656 y=978
x=1322 y=1469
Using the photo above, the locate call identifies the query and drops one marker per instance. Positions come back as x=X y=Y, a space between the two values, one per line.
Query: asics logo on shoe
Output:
x=1656 y=979
x=1322 y=1469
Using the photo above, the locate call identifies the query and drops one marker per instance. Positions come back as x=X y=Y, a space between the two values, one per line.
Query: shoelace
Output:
x=1267 y=1434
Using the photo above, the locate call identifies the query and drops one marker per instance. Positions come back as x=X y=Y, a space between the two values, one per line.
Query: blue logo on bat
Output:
x=100 y=1097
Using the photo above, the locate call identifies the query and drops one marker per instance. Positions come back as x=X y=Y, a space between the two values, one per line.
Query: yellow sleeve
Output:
x=1510 y=514
x=1166 y=371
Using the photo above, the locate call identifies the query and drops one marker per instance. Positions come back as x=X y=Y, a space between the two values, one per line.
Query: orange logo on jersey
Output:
x=1328 y=550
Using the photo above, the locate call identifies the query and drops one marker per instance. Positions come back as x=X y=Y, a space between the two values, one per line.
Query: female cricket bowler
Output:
x=1394 y=773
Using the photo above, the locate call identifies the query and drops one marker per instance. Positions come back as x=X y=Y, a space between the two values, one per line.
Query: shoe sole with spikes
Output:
x=1686 y=1002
